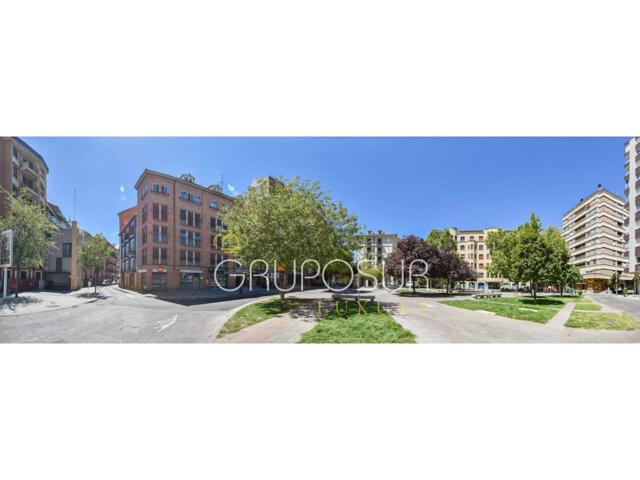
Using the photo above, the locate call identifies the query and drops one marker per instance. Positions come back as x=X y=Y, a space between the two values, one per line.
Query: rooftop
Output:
x=599 y=190
x=181 y=180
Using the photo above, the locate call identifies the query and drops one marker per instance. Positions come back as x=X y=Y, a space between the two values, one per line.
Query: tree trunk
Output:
x=18 y=268
x=535 y=294
x=561 y=290
x=95 y=281
x=285 y=285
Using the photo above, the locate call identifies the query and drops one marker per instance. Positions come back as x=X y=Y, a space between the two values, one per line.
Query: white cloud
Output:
x=231 y=188
x=122 y=188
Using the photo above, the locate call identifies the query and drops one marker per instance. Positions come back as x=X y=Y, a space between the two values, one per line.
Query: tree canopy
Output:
x=93 y=252
x=32 y=232
x=288 y=222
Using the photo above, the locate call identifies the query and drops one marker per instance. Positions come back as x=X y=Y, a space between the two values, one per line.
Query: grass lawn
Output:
x=591 y=307
x=607 y=321
x=258 y=312
x=351 y=325
x=510 y=308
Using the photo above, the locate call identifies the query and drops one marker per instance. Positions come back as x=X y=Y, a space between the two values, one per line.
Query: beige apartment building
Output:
x=632 y=192
x=22 y=170
x=472 y=248
x=594 y=230
x=173 y=238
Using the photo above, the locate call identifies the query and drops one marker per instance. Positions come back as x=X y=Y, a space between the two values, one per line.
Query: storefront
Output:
x=190 y=279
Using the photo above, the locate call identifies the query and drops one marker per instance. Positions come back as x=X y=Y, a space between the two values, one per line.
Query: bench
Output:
x=353 y=296
x=487 y=295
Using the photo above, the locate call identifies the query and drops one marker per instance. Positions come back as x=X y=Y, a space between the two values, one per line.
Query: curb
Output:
x=50 y=310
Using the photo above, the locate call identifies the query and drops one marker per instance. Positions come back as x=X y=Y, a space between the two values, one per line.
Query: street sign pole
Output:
x=4 y=282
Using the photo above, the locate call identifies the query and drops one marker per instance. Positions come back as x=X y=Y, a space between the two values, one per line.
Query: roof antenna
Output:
x=222 y=182
x=74 y=203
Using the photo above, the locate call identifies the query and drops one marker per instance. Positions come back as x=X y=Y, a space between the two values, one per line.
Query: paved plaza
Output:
x=123 y=316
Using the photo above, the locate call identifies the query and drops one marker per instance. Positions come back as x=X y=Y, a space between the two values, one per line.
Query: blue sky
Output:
x=403 y=185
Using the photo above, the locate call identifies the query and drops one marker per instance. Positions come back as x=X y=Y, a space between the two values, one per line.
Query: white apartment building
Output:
x=632 y=189
x=594 y=230
x=378 y=246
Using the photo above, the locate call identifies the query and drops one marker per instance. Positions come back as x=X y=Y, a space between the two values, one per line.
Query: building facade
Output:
x=377 y=247
x=175 y=236
x=594 y=230
x=632 y=191
x=128 y=248
x=22 y=171
x=63 y=269
x=472 y=248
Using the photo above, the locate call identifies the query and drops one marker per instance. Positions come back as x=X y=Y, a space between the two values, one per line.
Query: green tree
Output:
x=613 y=283
x=368 y=268
x=558 y=266
x=531 y=254
x=32 y=231
x=636 y=280
x=442 y=240
x=502 y=245
x=93 y=253
x=573 y=276
x=288 y=222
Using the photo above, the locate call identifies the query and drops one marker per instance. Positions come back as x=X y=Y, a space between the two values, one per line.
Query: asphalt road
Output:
x=124 y=317
x=629 y=305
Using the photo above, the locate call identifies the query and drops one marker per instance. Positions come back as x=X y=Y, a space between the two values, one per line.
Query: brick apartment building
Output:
x=173 y=237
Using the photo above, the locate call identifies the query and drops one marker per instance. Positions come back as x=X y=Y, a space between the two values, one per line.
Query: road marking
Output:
x=164 y=327
x=428 y=305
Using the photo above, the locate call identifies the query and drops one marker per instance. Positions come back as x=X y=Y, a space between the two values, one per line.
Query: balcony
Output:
x=29 y=170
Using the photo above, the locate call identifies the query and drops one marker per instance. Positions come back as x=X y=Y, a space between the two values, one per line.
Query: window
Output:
x=144 y=235
x=190 y=219
x=160 y=212
x=144 y=214
x=217 y=225
x=471 y=237
x=481 y=238
x=481 y=266
x=480 y=247
x=144 y=257
x=213 y=204
x=481 y=257
x=216 y=242
x=161 y=189
x=191 y=197
x=189 y=257
x=66 y=250
x=160 y=234
x=462 y=239
x=190 y=239
x=59 y=264
x=143 y=191
x=462 y=247
x=159 y=255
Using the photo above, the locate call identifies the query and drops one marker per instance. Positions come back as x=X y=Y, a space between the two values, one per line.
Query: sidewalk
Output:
x=210 y=295
x=41 y=301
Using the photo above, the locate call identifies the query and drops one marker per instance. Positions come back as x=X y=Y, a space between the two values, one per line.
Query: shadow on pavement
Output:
x=12 y=303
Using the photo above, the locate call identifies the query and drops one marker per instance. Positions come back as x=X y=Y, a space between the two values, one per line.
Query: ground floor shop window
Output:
x=144 y=281
x=189 y=280
x=159 y=281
